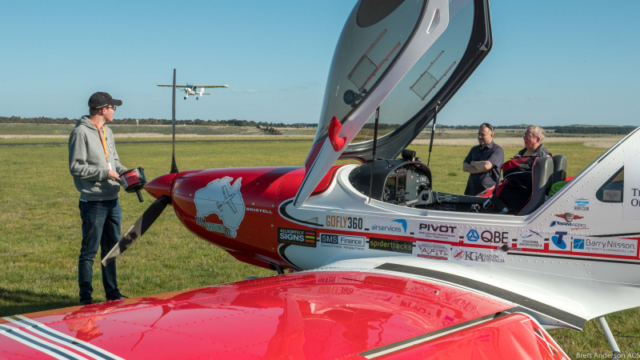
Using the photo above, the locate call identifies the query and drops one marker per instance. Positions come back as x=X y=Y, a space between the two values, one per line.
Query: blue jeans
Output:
x=100 y=226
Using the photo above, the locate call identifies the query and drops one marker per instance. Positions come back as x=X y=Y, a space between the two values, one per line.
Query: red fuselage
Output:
x=262 y=190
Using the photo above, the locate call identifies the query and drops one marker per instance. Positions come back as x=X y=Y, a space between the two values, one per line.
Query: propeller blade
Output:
x=174 y=167
x=138 y=229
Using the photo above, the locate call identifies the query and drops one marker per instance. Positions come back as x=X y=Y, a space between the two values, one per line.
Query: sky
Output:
x=558 y=62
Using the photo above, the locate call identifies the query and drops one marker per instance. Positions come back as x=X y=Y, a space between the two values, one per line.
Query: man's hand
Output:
x=477 y=167
x=466 y=167
x=114 y=176
x=482 y=166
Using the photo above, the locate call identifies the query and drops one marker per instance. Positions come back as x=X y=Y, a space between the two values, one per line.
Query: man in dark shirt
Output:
x=483 y=162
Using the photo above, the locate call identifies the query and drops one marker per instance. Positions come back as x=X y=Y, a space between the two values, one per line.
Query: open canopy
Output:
x=407 y=57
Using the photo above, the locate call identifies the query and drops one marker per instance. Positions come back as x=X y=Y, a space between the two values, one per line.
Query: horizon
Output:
x=505 y=126
x=549 y=63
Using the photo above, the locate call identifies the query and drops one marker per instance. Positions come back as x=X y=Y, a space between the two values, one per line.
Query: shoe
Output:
x=119 y=297
x=86 y=302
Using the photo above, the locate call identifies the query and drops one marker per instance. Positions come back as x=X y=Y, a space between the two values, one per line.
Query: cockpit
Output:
x=408 y=182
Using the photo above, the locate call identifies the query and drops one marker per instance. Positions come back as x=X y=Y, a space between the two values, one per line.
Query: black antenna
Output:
x=373 y=160
x=174 y=168
x=433 y=131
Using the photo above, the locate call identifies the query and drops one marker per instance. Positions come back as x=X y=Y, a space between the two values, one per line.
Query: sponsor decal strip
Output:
x=405 y=247
x=343 y=241
x=438 y=231
x=562 y=316
x=488 y=237
x=347 y=222
x=590 y=257
x=400 y=345
x=61 y=338
x=297 y=237
x=38 y=344
x=606 y=246
x=430 y=250
x=575 y=254
x=479 y=255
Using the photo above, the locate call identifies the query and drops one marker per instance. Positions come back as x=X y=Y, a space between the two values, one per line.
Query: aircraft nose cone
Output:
x=160 y=185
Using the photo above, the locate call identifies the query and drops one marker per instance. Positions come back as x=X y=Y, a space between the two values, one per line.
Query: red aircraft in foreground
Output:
x=384 y=266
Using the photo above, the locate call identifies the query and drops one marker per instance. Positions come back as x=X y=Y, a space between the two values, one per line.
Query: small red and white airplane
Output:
x=193 y=89
x=383 y=265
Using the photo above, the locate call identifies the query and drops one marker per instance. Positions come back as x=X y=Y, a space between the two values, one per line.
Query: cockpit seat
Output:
x=523 y=188
x=542 y=176
x=559 y=168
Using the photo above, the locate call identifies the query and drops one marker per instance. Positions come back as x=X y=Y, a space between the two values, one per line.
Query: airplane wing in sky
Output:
x=178 y=86
x=192 y=86
x=211 y=86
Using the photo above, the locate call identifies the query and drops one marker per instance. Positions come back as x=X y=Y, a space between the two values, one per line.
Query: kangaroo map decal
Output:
x=223 y=199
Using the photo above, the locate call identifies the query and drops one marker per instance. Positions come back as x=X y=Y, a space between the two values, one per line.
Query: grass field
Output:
x=40 y=227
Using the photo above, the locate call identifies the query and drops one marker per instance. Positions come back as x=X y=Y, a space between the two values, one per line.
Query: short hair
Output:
x=487 y=125
x=537 y=131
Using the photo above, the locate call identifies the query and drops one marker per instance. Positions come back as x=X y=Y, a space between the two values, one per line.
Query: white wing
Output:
x=211 y=86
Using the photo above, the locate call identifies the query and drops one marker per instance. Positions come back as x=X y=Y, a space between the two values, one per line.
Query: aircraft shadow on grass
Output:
x=26 y=301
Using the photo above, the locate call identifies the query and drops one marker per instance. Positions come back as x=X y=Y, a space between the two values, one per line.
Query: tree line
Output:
x=571 y=129
x=152 y=121
x=612 y=130
x=265 y=126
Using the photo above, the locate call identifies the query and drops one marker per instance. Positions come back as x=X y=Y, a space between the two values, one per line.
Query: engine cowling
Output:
x=233 y=208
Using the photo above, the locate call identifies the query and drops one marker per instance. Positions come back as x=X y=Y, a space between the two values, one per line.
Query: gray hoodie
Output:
x=88 y=165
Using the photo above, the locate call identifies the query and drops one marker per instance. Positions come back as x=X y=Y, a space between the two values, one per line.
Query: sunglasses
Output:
x=488 y=126
x=112 y=107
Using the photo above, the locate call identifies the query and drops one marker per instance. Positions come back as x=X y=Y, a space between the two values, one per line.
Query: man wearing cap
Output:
x=96 y=169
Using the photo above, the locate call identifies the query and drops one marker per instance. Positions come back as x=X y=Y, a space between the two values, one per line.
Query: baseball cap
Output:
x=101 y=99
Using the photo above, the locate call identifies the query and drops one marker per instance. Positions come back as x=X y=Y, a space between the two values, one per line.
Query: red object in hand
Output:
x=131 y=178
x=334 y=129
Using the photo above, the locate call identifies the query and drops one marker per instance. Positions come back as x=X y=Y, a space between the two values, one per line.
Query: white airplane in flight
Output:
x=192 y=89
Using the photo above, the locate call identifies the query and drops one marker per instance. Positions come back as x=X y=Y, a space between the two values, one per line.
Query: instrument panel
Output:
x=406 y=186
x=408 y=183
x=394 y=181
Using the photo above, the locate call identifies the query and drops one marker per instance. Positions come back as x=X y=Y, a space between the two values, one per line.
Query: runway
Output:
x=158 y=142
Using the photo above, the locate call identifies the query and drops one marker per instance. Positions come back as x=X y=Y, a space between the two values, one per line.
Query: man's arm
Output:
x=78 y=165
x=477 y=167
x=466 y=167
x=466 y=164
